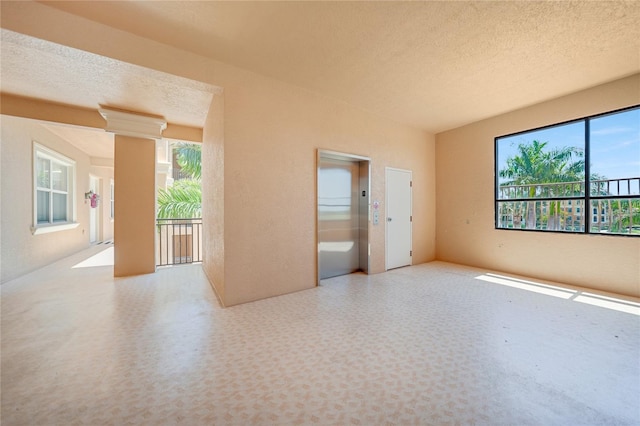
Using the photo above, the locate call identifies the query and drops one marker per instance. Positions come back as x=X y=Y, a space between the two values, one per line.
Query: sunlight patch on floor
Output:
x=564 y=293
x=549 y=290
x=104 y=258
x=609 y=302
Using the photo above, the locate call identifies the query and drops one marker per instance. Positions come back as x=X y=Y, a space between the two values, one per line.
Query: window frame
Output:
x=42 y=152
x=585 y=199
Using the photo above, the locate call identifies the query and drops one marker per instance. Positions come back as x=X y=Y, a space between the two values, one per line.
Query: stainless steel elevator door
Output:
x=338 y=221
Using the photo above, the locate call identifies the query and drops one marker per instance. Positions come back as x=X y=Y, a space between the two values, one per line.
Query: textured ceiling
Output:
x=43 y=70
x=93 y=142
x=434 y=65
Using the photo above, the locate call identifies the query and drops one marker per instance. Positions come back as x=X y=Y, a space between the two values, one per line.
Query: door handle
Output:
x=389 y=219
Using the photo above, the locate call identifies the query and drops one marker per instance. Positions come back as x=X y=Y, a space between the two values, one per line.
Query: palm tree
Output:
x=563 y=168
x=624 y=215
x=183 y=200
x=533 y=166
x=189 y=157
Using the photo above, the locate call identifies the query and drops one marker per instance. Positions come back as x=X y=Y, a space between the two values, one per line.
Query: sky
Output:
x=615 y=143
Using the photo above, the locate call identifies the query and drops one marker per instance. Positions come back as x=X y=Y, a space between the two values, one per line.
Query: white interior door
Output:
x=398 y=218
x=93 y=212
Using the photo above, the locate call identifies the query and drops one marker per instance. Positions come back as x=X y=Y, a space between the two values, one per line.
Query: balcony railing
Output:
x=179 y=241
x=612 y=187
x=614 y=206
x=546 y=190
x=603 y=187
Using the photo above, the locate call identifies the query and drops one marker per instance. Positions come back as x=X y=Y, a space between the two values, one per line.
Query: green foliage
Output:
x=183 y=200
x=534 y=165
x=189 y=157
x=624 y=216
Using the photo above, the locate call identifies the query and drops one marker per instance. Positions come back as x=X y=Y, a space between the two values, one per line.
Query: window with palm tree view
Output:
x=582 y=176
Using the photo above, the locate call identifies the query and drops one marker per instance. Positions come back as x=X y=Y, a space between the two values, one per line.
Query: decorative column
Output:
x=135 y=190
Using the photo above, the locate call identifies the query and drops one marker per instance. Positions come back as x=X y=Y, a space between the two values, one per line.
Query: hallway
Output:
x=429 y=344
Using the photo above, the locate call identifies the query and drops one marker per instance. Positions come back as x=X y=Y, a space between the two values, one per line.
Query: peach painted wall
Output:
x=269 y=142
x=21 y=251
x=271 y=134
x=213 y=196
x=465 y=209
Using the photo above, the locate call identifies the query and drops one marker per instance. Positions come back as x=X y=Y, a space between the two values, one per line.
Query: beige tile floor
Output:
x=430 y=344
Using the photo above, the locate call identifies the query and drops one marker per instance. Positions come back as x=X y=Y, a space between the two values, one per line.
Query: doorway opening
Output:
x=179 y=203
x=95 y=217
x=343 y=203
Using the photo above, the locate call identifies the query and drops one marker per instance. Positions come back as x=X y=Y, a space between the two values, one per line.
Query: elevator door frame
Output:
x=364 y=205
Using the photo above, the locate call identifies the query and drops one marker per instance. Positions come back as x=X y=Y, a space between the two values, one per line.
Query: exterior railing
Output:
x=602 y=187
x=612 y=187
x=613 y=206
x=543 y=190
x=179 y=241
